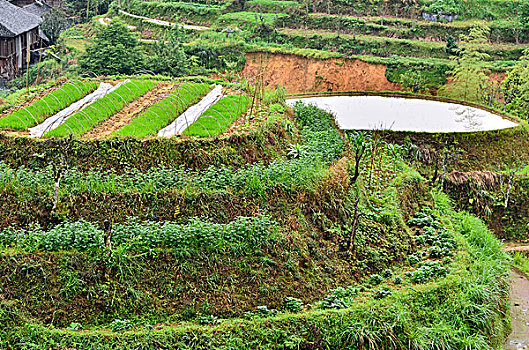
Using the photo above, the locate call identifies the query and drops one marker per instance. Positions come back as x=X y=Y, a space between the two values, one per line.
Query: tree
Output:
x=359 y=143
x=516 y=87
x=54 y=23
x=520 y=21
x=170 y=58
x=469 y=77
x=114 y=50
x=451 y=47
x=415 y=81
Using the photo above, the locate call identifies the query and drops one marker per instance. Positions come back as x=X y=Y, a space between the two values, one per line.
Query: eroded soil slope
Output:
x=299 y=74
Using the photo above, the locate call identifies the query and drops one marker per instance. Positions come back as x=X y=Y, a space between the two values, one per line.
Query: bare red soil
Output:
x=300 y=74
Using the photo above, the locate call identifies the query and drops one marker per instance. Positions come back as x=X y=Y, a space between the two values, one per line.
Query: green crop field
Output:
x=269 y=223
x=219 y=117
x=102 y=109
x=164 y=112
x=38 y=111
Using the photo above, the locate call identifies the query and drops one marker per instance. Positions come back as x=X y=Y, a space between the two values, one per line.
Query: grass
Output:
x=272 y=5
x=40 y=110
x=464 y=310
x=102 y=109
x=383 y=46
x=521 y=261
x=201 y=13
x=251 y=17
x=164 y=112
x=219 y=117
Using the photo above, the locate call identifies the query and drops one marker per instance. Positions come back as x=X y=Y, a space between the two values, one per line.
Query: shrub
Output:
x=387 y=273
x=120 y=325
x=375 y=279
x=293 y=304
x=382 y=293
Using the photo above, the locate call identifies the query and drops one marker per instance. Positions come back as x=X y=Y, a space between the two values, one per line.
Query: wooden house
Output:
x=19 y=35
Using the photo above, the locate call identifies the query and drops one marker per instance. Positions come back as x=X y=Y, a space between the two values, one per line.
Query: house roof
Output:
x=37 y=8
x=15 y=20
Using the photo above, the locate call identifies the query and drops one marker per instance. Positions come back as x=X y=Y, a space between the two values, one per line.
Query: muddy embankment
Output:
x=300 y=74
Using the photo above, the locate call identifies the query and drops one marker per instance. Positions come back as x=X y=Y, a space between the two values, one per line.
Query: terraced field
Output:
x=378 y=32
x=134 y=107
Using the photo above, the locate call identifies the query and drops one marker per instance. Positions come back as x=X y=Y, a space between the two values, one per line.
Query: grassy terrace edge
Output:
x=470 y=312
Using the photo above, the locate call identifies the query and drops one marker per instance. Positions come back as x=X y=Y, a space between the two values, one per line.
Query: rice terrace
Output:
x=264 y=174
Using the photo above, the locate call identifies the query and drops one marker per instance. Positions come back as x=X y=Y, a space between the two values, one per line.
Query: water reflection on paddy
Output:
x=404 y=114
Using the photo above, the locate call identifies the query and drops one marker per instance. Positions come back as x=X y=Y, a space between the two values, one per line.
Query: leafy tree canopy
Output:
x=114 y=50
x=54 y=23
x=170 y=58
x=469 y=77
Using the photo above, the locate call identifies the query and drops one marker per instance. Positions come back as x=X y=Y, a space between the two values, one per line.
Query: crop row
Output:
x=165 y=111
x=323 y=144
x=200 y=13
x=219 y=117
x=501 y=30
x=198 y=235
x=102 y=109
x=382 y=46
x=54 y=102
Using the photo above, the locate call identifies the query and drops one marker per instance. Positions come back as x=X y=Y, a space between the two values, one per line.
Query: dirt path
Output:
x=519 y=299
x=516 y=247
x=163 y=23
x=123 y=117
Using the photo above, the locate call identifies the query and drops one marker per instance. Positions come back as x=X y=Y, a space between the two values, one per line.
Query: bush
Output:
x=120 y=325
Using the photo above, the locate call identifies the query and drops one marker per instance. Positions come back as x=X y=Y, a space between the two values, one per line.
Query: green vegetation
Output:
x=464 y=309
x=272 y=5
x=45 y=107
x=286 y=233
x=113 y=50
x=219 y=117
x=239 y=237
x=102 y=109
x=164 y=112
x=521 y=261
x=200 y=13
x=251 y=17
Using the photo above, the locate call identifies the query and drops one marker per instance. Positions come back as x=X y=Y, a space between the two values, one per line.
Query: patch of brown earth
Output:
x=519 y=298
x=300 y=74
x=123 y=117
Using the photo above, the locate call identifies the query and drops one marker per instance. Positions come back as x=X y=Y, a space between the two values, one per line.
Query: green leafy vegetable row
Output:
x=164 y=112
x=102 y=109
x=219 y=117
x=54 y=102
x=198 y=235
